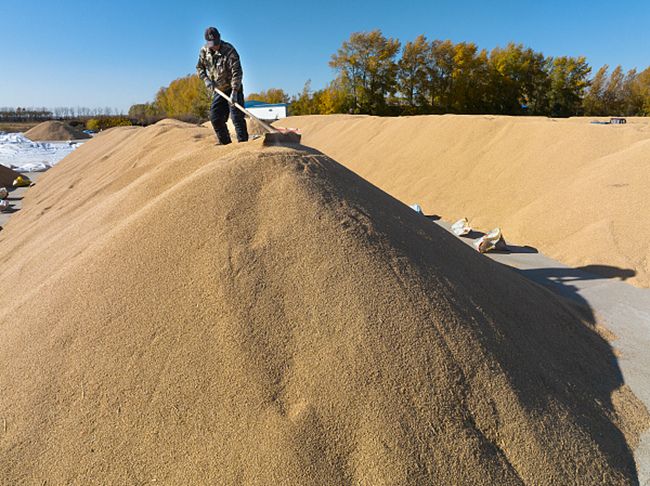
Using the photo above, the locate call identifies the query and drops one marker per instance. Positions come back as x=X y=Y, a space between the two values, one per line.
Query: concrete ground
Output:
x=618 y=306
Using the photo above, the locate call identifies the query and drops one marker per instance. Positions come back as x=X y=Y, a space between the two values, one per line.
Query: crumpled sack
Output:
x=3 y=193
x=416 y=208
x=494 y=240
x=461 y=227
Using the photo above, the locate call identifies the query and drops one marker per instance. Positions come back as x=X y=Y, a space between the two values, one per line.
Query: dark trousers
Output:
x=219 y=111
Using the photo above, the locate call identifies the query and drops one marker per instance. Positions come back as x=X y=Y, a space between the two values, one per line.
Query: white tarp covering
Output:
x=21 y=154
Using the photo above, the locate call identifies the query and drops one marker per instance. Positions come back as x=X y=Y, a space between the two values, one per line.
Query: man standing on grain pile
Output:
x=219 y=67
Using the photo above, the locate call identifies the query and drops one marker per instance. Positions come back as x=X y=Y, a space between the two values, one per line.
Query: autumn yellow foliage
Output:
x=184 y=97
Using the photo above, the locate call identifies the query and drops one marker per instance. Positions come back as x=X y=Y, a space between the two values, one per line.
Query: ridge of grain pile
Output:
x=184 y=313
x=54 y=130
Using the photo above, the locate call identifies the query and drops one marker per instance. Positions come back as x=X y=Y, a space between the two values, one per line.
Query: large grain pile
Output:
x=576 y=191
x=55 y=130
x=181 y=313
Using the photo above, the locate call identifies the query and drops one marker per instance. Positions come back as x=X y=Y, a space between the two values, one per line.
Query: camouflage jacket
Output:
x=221 y=67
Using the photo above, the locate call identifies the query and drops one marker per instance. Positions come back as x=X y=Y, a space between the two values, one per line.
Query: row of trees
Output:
x=187 y=99
x=443 y=77
x=104 y=122
x=11 y=114
x=618 y=93
x=272 y=95
x=380 y=76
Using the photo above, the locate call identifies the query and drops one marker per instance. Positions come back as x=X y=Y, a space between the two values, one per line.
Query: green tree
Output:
x=271 y=95
x=145 y=113
x=412 y=72
x=303 y=103
x=105 y=122
x=518 y=79
x=440 y=76
x=639 y=98
x=568 y=82
x=184 y=97
x=612 y=94
x=456 y=78
x=593 y=102
x=332 y=99
x=470 y=79
x=628 y=103
x=367 y=68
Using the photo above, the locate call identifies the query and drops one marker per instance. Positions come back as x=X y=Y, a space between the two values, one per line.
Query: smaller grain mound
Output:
x=54 y=131
x=172 y=122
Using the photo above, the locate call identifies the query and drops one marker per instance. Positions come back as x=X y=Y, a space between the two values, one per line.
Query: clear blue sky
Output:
x=99 y=53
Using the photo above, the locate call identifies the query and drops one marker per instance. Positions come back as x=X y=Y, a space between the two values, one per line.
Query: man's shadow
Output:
x=560 y=279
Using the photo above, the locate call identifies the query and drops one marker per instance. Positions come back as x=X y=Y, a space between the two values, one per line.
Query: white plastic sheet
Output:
x=21 y=154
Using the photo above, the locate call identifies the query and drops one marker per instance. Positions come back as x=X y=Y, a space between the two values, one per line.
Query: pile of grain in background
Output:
x=184 y=313
x=574 y=190
x=55 y=130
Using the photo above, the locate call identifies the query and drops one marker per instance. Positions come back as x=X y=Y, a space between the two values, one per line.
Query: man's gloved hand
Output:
x=233 y=96
x=210 y=85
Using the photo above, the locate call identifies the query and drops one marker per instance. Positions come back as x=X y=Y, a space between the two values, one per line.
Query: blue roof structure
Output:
x=261 y=104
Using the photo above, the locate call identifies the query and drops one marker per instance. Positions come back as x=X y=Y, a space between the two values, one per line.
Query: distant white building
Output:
x=267 y=111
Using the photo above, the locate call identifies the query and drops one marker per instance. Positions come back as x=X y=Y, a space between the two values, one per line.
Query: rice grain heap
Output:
x=190 y=314
x=55 y=130
x=575 y=191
